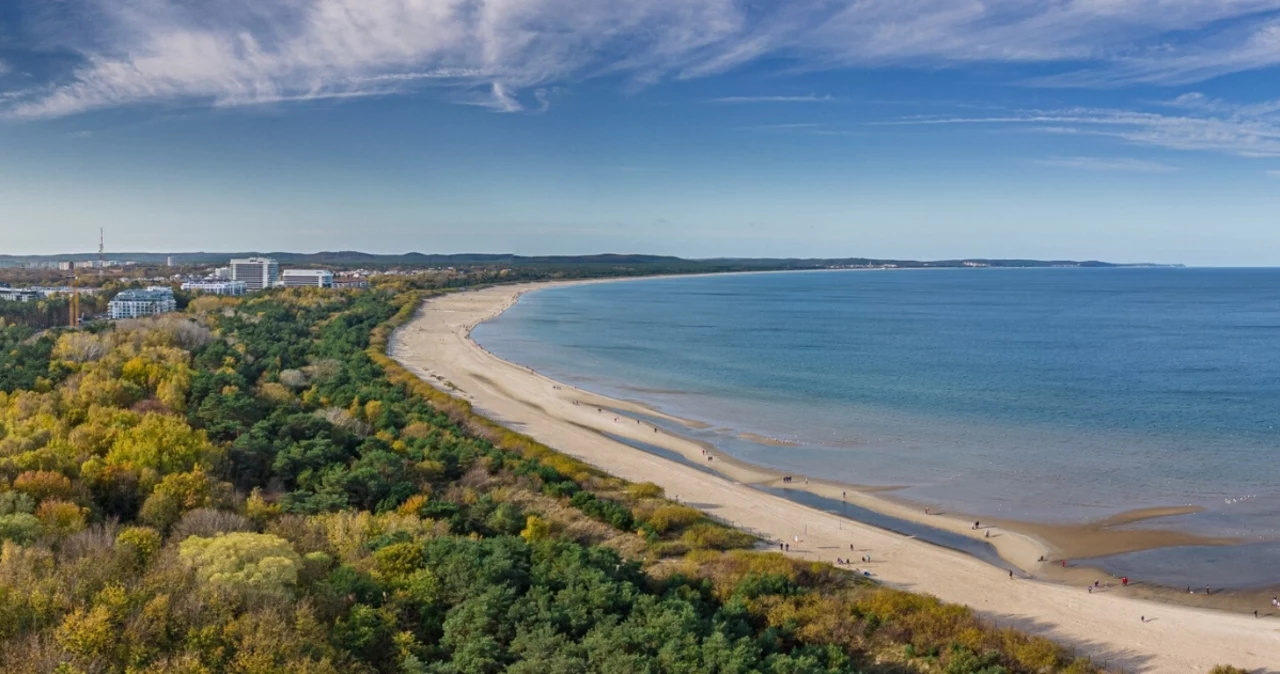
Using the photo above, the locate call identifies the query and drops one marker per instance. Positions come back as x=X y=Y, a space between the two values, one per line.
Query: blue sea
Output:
x=1057 y=394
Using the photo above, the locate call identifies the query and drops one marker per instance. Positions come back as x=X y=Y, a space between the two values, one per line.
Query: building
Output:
x=19 y=294
x=315 y=278
x=214 y=286
x=350 y=282
x=222 y=273
x=256 y=272
x=134 y=303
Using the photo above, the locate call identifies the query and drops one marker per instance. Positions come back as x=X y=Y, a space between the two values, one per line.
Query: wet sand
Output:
x=437 y=346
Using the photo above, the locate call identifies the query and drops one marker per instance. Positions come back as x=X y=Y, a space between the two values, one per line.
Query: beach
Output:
x=611 y=434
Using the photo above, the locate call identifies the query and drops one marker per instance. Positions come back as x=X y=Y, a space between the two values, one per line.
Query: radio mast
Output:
x=102 y=264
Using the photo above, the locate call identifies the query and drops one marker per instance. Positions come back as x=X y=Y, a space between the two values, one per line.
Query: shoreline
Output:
x=437 y=346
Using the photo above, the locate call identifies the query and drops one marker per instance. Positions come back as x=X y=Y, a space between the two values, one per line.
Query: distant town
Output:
x=46 y=291
x=238 y=277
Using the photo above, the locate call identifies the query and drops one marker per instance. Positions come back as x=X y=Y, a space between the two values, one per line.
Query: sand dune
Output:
x=1105 y=625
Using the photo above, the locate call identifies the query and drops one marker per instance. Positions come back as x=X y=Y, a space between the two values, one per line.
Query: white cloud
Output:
x=1274 y=173
x=1122 y=164
x=487 y=52
x=1251 y=130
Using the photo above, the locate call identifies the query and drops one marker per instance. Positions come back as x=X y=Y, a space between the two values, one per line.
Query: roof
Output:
x=144 y=295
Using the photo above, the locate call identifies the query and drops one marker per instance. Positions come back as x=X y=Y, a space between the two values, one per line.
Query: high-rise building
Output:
x=134 y=303
x=256 y=272
x=316 y=278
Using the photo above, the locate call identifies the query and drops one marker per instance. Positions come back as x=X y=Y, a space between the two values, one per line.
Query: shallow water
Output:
x=1038 y=394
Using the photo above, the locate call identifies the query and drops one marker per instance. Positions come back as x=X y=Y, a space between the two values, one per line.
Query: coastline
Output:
x=437 y=346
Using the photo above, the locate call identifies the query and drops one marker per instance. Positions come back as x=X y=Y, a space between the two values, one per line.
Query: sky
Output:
x=1122 y=130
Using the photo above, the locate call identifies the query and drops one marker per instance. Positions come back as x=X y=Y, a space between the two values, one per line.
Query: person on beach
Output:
x=788 y=547
x=1090 y=588
x=926 y=511
x=780 y=546
x=988 y=534
x=851 y=550
x=1010 y=574
x=975 y=526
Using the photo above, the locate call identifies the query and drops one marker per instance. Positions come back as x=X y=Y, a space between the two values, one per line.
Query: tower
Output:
x=101 y=260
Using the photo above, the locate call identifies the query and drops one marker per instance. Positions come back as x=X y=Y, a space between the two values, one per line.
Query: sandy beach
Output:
x=1043 y=597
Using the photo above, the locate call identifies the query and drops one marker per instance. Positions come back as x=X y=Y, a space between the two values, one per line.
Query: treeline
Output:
x=40 y=314
x=255 y=487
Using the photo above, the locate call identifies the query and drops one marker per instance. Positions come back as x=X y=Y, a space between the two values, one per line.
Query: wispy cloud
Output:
x=1274 y=173
x=1246 y=130
x=496 y=52
x=1122 y=164
x=811 y=98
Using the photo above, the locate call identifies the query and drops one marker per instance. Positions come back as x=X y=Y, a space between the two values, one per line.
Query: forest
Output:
x=253 y=486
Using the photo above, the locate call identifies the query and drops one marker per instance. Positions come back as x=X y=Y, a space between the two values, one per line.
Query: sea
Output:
x=1046 y=394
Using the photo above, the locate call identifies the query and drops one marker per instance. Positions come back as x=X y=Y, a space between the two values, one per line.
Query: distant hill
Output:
x=349 y=258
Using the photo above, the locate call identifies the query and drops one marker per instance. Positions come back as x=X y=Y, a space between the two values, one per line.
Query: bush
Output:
x=673 y=516
x=644 y=490
x=711 y=536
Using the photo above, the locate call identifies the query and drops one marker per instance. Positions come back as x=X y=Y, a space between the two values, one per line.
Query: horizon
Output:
x=708 y=128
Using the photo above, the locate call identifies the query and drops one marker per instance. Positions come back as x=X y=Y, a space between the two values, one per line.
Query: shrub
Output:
x=644 y=490
x=673 y=516
x=711 y=536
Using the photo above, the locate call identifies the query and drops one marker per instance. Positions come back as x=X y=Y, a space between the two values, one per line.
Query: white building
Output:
x=315 y=278
x=215 y=287
x=135 y=303
x=256 y=272
x=19 y=294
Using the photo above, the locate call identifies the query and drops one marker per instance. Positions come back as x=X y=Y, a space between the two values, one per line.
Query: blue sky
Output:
x=1114 y=129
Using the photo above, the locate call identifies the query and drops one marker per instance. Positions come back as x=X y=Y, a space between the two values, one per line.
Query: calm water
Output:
x=1043 y=394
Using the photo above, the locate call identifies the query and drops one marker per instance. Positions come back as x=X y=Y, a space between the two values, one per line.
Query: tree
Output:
x=162 y=443
x=176 y=494
x=245 y=563
x=535 y=529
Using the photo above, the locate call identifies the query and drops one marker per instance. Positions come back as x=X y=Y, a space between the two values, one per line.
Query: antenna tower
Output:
x=102 y=264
